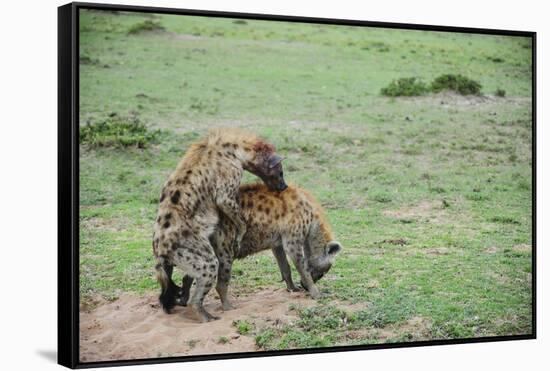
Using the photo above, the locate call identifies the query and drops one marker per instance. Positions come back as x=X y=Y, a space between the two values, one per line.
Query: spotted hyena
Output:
x=204 y=188
x=289 y=223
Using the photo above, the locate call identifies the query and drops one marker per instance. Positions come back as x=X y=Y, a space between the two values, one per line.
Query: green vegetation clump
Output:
x=412 y=86
x=86 y=59
x=500 y=93
x=405 y=86
x=243 y=327
x=458 y=83
x=118 y=132
x=223 y=340
x=145 y=26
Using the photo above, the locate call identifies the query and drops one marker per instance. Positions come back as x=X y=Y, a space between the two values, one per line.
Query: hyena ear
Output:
x=334 y=247
x=273 y=160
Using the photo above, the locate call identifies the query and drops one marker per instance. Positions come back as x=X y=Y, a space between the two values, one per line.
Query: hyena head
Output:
x=322 y=263
x=267 y=165
x=320 y=249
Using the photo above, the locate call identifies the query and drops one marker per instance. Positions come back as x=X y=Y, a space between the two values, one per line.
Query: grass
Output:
x=430 y=197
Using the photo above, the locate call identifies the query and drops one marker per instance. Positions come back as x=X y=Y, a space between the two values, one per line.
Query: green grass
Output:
x=430 y=196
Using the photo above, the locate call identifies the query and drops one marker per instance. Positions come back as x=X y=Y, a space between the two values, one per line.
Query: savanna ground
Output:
x=429 y=195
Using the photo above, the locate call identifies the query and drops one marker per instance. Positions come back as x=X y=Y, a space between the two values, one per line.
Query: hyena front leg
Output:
x=284 y=267
x=294 y=249
x=197 y=259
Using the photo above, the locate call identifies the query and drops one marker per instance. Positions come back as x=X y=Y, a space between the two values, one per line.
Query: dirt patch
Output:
x=427 y=210
x=185 y=37
x=517 y=248
x=398 y=241
x=102 y=224
x=415 y=328
x=523 y=248
x=437 y=251
x=449 y=99
x=134 y=327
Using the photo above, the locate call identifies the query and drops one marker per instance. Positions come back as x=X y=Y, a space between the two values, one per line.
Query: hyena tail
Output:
x=167 y=296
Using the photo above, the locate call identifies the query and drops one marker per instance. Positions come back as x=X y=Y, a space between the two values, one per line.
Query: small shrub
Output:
x=500 y=93
x=223 y=340
x=240 y=21
x=145 y=26
x=264 y=338
x=382 y=197
x=504 y=220
x=405 y=86
x=118 y=132
x=87 y=60
x=477 y=196
x=495 y=59
x=243 y=327
x=458 y=83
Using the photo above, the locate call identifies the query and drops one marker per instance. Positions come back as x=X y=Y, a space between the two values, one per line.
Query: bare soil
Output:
x=134 y=327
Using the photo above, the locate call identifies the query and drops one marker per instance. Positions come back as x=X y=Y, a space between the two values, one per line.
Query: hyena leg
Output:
x=167 y=293
x=284 y=267
x=232 y=210
x=183 y=293
x=175 y=288
x=199 y=262
x=224 y=275
x=296 y=253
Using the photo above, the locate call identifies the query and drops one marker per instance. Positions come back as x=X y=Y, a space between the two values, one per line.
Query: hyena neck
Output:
x=246 y=154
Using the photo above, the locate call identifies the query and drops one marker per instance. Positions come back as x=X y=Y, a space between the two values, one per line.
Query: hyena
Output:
x=202 y=189
x=289 y=223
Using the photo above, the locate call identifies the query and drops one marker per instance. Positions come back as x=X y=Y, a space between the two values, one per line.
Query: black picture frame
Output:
x=68 y=181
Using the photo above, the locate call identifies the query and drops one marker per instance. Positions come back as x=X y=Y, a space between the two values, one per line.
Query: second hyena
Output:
x=289 y=223
x=202 y=189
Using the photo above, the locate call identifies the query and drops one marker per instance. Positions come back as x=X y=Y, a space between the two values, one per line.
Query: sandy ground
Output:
x=133 y=327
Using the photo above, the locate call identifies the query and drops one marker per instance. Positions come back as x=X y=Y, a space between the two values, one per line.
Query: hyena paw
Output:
x=315 y=293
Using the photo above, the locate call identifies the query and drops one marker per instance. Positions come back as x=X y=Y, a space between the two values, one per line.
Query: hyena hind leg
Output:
x=167 y=297
x=203 y=267
x=184 y=291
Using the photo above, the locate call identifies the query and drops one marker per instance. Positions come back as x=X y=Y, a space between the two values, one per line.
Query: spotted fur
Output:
x=290 y=223
x=201 y=190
